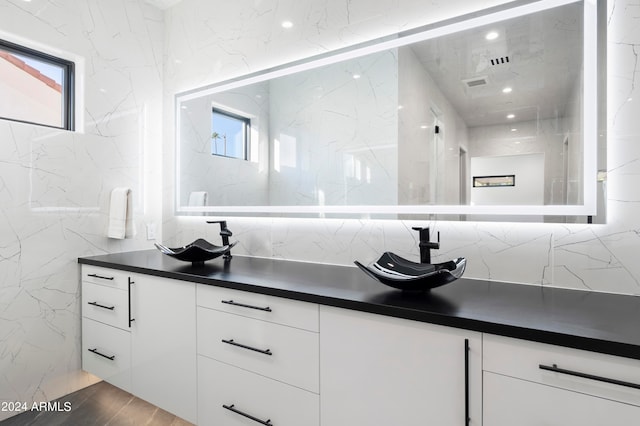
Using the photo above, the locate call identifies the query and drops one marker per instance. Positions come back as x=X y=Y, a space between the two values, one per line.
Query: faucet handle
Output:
x=425 y=238
x=425 y=244
x=436 y=245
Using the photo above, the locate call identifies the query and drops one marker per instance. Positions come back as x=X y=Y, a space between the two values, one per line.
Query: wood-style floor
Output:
x=98 y=405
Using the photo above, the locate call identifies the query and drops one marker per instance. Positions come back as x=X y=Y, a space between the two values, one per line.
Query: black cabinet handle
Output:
x=130 y=282
x=556 y=369
x=111 y=308
x=262 y=351
x=231 y=302
x=100 y=276
x=467 y=418
x=249 y=416
x=95 y=351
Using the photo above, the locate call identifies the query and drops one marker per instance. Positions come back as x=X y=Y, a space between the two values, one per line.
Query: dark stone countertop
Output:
x=598 y=322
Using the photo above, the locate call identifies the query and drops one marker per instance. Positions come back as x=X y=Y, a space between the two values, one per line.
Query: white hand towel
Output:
x=198 y=198
x=121 y=214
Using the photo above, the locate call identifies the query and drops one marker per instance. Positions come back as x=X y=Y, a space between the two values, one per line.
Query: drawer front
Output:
x=106 y=352
x=221 y=385
x=283 y=353
x=107 y=305
x=563 y=368
x=508 y=402
x=253 y=305
x=105 y=276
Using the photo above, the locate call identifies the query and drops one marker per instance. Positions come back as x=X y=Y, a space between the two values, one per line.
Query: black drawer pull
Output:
x=262 y=351
x=556 y=369
x=249 y=416
x=100 y=276
x=231 y=302
x=95 y=351
x=111 y=308
x=130 y=282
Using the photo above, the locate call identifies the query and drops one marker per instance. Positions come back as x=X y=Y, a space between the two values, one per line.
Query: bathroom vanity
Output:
x=261 y=341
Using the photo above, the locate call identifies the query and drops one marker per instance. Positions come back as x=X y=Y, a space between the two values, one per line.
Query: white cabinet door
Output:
x=379 y=370
x=164 y=344
x=509 y=401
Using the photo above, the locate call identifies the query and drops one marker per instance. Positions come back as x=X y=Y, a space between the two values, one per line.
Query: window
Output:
x=35 y=87
x=230 y=134
x=491 y=181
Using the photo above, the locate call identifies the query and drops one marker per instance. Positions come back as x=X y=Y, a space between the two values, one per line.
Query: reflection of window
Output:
x=230 y=134
x=35 y=87
x=488 y=181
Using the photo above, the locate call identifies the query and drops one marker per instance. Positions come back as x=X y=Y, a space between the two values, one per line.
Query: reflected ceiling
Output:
x=529 y=56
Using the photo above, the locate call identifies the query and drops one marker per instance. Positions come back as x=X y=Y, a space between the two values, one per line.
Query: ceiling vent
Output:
x=500 y=61
x=475 y=82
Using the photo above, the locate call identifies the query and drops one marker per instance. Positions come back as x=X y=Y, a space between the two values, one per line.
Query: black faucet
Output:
x=225 y=233
x=425 y=244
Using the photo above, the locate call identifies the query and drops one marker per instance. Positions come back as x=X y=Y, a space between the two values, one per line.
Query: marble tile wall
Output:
x=336 y=134
x=201 y=48
x=55 y=185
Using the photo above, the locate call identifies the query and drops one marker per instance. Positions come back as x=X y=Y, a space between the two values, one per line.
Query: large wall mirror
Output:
x=480 y=116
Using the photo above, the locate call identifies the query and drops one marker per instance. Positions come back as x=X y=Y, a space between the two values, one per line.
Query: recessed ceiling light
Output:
x=424 y=126
x=287 y=24
x=356 y=76
x=510 y=116
x=507 y=90
x=400 y=107
x=514 y=130
x=491 y=35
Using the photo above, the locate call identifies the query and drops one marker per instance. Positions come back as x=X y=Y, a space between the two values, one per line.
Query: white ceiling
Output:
x=545 y=64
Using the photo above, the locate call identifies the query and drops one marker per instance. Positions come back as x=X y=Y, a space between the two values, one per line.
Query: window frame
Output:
x=68 y=83
x=246 y=122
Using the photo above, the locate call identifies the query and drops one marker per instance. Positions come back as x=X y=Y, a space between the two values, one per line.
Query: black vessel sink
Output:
x=397 y=272
x=197 y=252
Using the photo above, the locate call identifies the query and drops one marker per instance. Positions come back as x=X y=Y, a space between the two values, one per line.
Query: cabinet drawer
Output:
x=533 y=361
x=106 y=352
x=283 y=353
x=509 y=402
x=264 y=399
x=105 y=276
x=107 y=305
x=253 y=305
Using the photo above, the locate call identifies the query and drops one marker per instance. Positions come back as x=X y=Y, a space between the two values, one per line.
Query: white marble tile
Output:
x=55 y=185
